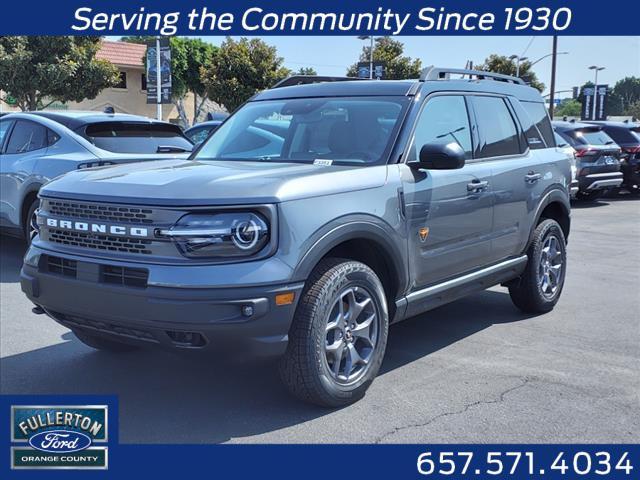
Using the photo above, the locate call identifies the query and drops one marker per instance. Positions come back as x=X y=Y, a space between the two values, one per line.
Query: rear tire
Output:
x=338 y=336
x=540 y=285
x=100 y=343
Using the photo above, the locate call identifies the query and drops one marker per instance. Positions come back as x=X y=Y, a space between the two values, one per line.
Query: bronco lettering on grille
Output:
x=97 y=227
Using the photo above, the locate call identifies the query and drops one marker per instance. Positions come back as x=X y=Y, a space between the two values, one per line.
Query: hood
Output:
x=186 y=182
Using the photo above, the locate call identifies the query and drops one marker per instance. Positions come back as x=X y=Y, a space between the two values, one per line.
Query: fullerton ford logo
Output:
x=60 y=441
x=59 y=436
x=91 y=227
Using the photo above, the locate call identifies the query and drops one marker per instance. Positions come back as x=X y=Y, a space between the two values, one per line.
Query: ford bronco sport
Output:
x=315 y=216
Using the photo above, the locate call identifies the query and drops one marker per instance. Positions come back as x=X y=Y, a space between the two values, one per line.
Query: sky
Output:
x=332 y=55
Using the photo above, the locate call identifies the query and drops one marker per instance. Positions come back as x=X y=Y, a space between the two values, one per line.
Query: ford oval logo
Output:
x=60 y=441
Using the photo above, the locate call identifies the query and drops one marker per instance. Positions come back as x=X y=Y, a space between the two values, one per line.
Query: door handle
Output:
x=477 y=186
x=532 y=177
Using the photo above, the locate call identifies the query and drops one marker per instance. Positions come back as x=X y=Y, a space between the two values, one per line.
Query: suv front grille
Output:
x=107 y=213
x=126 y=276
x=111 y=274
x=99 y=242
x=61 y=266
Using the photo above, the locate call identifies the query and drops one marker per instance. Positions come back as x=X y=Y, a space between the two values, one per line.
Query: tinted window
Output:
x=26 y=137
x=498 y=131
x=5 y=125
x=538 y=114
x=52 y=137
x=443 y=120
x=621 y=135
x=344 y=130
x=590 y=136
x=121 y=137
x=561 y=142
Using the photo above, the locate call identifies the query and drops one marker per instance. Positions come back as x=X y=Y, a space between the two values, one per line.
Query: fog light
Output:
x=285 y=298
x=247 y=310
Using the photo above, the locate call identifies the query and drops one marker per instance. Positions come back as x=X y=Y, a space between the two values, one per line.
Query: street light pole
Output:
x=518 y=59
x=595 y=89
x=554 y=58
x=158 y=81
x=371 y=59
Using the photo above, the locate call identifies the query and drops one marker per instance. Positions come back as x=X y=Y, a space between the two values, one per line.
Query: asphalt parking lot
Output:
x=474 y=371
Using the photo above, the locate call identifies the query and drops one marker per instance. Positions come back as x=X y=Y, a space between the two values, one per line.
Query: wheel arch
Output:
x=555 y=205
x=30 y=194
x=367 y=242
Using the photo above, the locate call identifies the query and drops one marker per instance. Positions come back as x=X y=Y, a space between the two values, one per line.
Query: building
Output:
x=130 y=95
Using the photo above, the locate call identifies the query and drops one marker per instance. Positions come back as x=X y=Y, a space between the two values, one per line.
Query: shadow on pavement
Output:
x=171 y=398
x=11 y=253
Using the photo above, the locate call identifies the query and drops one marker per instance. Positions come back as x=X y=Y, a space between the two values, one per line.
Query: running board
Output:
x=434 y=296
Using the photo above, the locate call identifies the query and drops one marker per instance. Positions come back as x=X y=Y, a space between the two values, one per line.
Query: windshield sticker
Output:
x=324 y=162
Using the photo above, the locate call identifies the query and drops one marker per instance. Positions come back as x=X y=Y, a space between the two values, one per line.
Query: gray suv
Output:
x=317 y=215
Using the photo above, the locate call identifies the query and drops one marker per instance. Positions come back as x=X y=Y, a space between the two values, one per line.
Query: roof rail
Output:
x=307 y=79
x=438 y=73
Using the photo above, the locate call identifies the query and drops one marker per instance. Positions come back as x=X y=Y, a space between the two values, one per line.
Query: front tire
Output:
x=100 y=343
x=338 y=336
x=540 y=286
x=30 y=222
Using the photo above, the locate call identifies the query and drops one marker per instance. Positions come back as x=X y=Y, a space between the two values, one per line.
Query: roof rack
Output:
x=307 y=79
x=438 y=73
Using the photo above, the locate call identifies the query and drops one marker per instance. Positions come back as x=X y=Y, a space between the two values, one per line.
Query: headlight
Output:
x=237 y=234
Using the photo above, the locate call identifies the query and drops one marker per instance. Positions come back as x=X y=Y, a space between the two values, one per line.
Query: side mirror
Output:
x=440 y=156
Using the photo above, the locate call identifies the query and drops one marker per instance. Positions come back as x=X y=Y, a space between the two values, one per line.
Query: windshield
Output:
x=341 y=130
x=131 y=137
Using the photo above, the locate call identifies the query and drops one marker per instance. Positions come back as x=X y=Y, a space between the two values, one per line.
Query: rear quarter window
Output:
x=539 y=117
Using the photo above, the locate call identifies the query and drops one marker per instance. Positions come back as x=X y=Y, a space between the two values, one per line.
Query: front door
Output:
x=449 y=212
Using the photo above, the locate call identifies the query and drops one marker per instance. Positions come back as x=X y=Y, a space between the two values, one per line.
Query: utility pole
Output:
x=554 y=58
x=158 y=81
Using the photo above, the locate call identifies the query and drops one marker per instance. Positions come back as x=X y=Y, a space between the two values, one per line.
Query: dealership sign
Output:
x=164 y=70
x=59 y=437
x=600 y=111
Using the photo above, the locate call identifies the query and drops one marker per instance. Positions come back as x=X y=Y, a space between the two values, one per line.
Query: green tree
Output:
x=188 y=56
x=39 y=70
x=501 y=64
x=242 y=68
x=625 y=93
x=389 y=51
x=306 y=71
x=568 y=108
x=634 y=110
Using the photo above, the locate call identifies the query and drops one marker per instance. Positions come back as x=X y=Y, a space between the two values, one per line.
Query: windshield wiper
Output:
x=171 y=149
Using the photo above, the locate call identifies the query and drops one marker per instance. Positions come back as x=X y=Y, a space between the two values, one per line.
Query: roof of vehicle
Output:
x=611 y=123
x=75 y=119
x=564 y=125
x=432 y=79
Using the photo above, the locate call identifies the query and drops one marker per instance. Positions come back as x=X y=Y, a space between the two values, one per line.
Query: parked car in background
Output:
x=199 y=132
x=39 y=146
x=568 y=150
x=627 y=136
x=597 y=158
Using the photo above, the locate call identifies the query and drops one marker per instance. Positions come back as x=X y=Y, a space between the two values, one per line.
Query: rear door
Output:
x=518 y=172
x=449 y=212
x=26 y=143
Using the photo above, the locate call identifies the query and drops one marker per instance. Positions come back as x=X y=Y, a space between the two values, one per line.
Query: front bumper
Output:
x=179 y=316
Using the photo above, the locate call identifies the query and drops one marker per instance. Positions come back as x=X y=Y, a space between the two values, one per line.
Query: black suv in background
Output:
x=597 y=157
x=627 y=136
